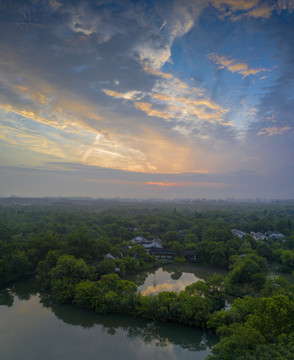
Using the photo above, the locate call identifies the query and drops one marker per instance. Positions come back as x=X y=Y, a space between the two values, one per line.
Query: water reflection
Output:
x=22 y=289
x=173 y=277
x=6 y=298
x=176 y=275
x=150 y=332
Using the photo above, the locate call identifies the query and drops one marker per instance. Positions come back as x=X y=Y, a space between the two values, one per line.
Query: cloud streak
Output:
x=234 y=66
x=275 y=130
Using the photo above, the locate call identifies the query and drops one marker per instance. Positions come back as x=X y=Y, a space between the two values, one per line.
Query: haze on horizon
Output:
x=147 y=99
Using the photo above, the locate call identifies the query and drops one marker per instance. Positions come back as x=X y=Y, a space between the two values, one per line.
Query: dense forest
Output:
x=80 y=254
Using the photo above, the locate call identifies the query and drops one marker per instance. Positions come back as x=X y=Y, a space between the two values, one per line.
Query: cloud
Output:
x=116 y=85
x=175 y=20
x=238 y=9
x=159 y=185
x=130 y=95
x=163 y=97
x=183 y=184
x=69 y=179
x=19 y=137
x=147 y=108
x=235 y=5
x=275 y=130
x=285 y=5
x=174 y=100
x=155 y=57
x=234 y=66
x=156 y=72
x=263 y=12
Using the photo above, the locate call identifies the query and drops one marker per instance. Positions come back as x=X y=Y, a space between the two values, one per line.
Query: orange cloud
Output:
x=163 y=97
x=37 y=96
x=181 y=102
x=147 y=108
x=261 y=12
x=202 y=109
x=185 y=102
x=234 y=66
x=32 y=141
x=155 y=72
x=157 y=185
x=235 y=4
x=59 y=119
x=238 y=9
x=248 y=8
x=183 y=184
x=275 y=130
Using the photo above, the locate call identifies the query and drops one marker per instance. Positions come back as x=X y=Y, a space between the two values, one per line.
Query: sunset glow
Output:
x=142 y=99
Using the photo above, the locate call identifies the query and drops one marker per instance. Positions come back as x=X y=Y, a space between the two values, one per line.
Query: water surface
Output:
x=33 y=327
x=173 y=277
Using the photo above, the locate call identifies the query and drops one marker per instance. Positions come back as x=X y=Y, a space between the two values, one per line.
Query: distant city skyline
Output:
x=147 y=99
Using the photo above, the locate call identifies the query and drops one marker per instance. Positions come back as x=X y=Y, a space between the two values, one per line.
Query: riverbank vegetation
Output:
x=80 y=256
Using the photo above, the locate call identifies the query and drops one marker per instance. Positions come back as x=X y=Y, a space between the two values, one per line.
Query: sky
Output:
x=147 y=99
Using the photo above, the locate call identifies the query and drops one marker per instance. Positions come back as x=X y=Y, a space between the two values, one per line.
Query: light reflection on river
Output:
x=173 y=277
x=33 y=327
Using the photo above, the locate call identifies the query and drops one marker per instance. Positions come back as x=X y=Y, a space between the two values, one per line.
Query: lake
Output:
x=34 y=327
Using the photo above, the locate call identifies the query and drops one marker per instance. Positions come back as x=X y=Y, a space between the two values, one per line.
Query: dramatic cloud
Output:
x=177 y=101
x=147 y=88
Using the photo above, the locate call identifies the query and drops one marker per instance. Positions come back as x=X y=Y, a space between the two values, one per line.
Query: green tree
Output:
x=287 y=259
x=81 y=244
x=274 y=319
x=67 y=273
x=171 y=236
x=243 y=277
x=20 y=265
x=85 y=292
x=5 y=274
x=190 y=239
x=106 y=266
x=177 y=248
x=43 y=271
x=138 y=251
x=240 y=339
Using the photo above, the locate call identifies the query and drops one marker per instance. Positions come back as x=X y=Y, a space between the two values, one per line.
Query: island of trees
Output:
x=80 y=253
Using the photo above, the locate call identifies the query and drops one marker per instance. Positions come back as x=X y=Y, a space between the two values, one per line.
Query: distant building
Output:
x=276 y=236
x=162 y=253
x=109 y=256
x=169 y=254
x=190 y=255
x=258 y=235
x=151 y=244
x=269 y=235
x=138 y=240
x=239 y=233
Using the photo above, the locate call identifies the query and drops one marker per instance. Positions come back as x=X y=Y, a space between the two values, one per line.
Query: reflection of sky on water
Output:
x=161 y=281
x=30 y=331
x=173 y=277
